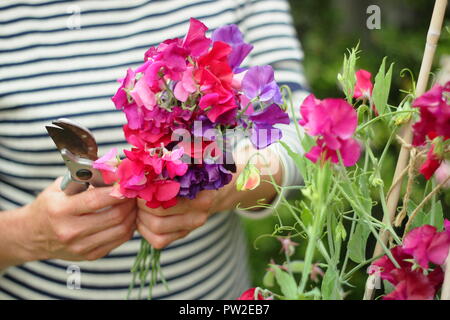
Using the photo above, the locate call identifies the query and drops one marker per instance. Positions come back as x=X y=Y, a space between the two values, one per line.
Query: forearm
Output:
x=13 y=246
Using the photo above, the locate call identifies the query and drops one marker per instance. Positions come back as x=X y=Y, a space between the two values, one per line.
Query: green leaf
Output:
x=307 y=217
x=287 y=284
x=298 y=159
x=330 y=285
x=358 y=242
x=381 y=89
x=296 y=266
x=269 y=279
x=435 y=217
x=347 y=78
x=314 y=294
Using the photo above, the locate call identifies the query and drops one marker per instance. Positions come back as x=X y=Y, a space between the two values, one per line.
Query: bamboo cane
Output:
x=432 y=39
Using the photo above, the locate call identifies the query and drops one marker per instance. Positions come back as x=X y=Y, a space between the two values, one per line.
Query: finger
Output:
x=91 y=200
x=105 y=237
x=174 y=223
x=160 y=241
x=95 y=222
x=104 y=250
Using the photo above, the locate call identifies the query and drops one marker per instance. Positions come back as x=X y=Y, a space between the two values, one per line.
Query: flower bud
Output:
x=249 y=179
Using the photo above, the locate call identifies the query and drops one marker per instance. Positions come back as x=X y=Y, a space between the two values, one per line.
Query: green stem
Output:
x=362 y=127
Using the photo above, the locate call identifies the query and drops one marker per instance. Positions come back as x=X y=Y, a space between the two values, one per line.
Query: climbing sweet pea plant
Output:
x=344 y=180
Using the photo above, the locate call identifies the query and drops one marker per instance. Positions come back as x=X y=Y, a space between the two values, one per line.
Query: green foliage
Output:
x=326 y=29
x=382 y=87
x=330 y=285
x=287 y=284
x=347 y=78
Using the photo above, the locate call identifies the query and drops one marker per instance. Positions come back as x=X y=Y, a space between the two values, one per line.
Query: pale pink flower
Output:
x=108 y=166
x=186 y=85
x=142 y=94
x=443 y=173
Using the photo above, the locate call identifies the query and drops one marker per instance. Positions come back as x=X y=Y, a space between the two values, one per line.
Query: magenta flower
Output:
x=409 y=284
x=120 y=99
x=426 y=245
x=434 y=115
x=233 y=36
x=416 y=285
x=196 y=41
x=334 y=121
x=384 y=266
x=250 y=295
x=364 y=86
x=259 y=82
x=431 y=164
x=349 y=149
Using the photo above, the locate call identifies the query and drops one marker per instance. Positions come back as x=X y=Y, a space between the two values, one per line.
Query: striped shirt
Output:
x=61 y=58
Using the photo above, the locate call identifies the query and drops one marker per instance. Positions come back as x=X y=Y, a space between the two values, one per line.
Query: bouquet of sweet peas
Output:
x=178 y=104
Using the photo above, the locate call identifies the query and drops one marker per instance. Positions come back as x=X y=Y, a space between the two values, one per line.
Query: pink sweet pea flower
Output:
x=334 y=121
x=431 y=165
x=161 y=194
x=108 y=166
x=443 y=173
x=132 y=178
x=186 y=85
x=349 y=149
x=409 y=284
x=416 y=286
x=196 y=41
x=331 y=118
x=434 y=115
x=120 y=99
x=384 y=266
x=364 y=86
x=143 y=96
x=174 y=165
x=250 y=295
x=426 y=245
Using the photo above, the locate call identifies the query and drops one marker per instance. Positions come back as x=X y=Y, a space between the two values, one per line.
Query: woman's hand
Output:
x=85 y=226
x=161 y=226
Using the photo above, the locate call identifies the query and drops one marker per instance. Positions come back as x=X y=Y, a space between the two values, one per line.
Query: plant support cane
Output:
x=392 y=201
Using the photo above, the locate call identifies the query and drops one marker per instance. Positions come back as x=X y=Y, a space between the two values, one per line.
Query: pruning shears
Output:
x=78 y=149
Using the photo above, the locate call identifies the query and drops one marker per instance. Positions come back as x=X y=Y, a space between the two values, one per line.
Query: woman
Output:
x=61 y=59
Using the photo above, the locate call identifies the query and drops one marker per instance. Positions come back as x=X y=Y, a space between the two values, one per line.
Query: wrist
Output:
x=12 y=246
x=32 y=243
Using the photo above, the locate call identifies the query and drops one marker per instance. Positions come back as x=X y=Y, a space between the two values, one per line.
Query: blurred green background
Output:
x=326 y=28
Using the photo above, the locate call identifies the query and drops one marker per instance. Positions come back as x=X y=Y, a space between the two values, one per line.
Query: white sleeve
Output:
x=275 y=43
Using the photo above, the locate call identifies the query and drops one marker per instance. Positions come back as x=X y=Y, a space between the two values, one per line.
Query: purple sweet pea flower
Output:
x=203 y=127
x=263 y=132
x=260 y=82
x=203 y=177
x=231 y=35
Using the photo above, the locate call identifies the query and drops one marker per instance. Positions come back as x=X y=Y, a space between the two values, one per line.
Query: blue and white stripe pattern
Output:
x=48 y=70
